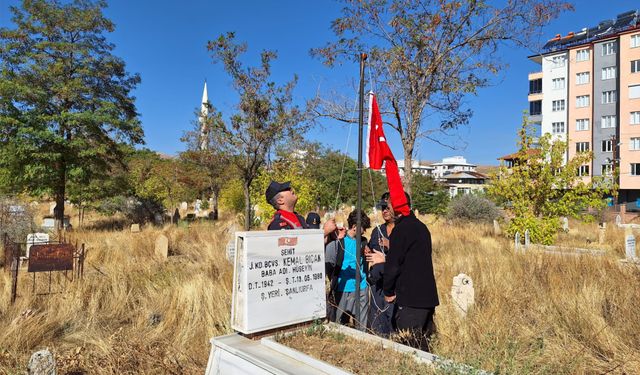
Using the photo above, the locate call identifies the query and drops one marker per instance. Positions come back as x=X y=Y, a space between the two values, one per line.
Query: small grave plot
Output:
x=351 y=354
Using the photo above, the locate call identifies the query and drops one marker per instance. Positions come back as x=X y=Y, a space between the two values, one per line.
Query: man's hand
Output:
x=329 y=226
x=390 y=299
x=375 y=257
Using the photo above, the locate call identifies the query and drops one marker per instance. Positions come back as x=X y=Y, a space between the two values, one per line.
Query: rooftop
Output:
x=623 y=22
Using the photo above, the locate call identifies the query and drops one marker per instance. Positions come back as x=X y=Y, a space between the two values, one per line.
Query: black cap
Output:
x=275 y=188
x=313 y=220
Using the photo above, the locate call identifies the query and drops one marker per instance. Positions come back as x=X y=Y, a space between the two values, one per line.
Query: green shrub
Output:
x=471 y=207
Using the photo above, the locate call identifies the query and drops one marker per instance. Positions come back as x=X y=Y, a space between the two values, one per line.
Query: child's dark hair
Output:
x=353 y=220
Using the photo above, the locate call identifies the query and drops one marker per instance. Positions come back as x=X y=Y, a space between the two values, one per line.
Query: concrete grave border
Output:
x=272 y=357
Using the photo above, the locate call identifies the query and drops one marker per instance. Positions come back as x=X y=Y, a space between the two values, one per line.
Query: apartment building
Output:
x=587 y=93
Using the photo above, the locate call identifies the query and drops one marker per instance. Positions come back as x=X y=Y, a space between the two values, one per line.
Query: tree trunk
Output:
x=60 y=191
x=408 y=172
x=214 y=207
x=247 y=206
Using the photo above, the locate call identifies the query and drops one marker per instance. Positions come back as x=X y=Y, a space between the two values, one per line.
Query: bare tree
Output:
x=265 y=118
x=426 y=56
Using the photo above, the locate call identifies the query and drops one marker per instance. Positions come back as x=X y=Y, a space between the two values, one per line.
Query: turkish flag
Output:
x=378 y=151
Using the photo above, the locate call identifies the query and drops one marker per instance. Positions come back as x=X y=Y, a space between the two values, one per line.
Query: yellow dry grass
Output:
x=535 y=313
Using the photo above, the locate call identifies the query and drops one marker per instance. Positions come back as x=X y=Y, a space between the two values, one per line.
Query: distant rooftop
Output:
x=623 y=22
x=455 y=160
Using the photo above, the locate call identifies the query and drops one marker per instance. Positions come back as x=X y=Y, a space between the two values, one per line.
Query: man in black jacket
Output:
x=409 y=280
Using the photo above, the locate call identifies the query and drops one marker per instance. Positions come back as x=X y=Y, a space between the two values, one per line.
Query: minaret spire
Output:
x=204 y=113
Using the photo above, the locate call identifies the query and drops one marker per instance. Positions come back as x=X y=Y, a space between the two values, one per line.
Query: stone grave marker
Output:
x=517 y=241
x=52 y=207
x=278 y=279
x=565 y=224
x=462 y=293
x=497 y=231
x=42 y=362
x=36 y=239
x=162 y=247
x=184 y=206
x=231 y=250
x=602 y=231
x=618 y=220
x=135 y=228
x=630 y=247
x=527 y=240
x=197 y=206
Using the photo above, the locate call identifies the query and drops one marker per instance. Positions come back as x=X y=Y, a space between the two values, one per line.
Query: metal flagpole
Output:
x=363 y=57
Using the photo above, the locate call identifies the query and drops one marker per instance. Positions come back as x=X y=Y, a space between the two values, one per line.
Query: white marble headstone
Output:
x=565 y=224
x=184 y=206
x=630 y=247
x=278 y=279
x=462 y=293
x=36 y=239
x=618 y=220
x=517 y=241
x=527 y=240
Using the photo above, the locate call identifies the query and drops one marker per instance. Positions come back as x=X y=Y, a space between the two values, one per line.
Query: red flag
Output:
x=378 y=151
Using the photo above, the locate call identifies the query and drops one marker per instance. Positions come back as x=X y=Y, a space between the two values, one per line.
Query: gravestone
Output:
x=42 y=362
x=197 y=206
x=462 y=293
x=517 y=241
x=135 y=228
x=527 y=240
x=565 y=224
x=48 y=223
x=36 y=239
x=184 y=206
x=630 y=247
x=52 y=207
x=158 y=219
x=497 y=231
x=602 y=231
x=162 y=247
x=278 y=279
x=231 y=250
x=618 y=220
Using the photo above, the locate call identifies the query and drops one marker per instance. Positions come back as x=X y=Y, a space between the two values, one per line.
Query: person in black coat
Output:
x=409 y=280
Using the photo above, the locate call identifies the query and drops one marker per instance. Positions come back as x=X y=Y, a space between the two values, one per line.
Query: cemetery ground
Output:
x=534 y=312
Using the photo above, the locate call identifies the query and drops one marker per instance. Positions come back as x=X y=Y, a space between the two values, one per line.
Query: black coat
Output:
x=408 y=270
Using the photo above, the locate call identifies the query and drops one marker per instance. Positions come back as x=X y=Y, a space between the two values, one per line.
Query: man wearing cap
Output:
x=283 y=198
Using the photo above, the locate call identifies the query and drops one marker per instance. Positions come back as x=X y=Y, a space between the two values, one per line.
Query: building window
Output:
x=582 y=101
x=535 y=86
x=635 y=66
x=635 y=169
x=557 y=83
x=582 y=146
x=608 y=48
x=582 y=55
x=634 y=144
x=635 y=41
x=582 y=124
x=583 y=170
x=608 y=97
x=608 y=122
x=606 y=169
x=558 y=61
x=535 y=107
x=634 y=91
x=557 y=127
x=557 y=105
x=582 y=78
x=609 y=72
x=607 y=145
x=635 y=118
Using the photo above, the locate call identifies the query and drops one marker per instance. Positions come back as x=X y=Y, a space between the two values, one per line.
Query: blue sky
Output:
x=165 y=41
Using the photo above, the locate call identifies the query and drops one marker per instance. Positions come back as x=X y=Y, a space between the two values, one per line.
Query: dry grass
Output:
x=534 y=314
x=351 y=354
